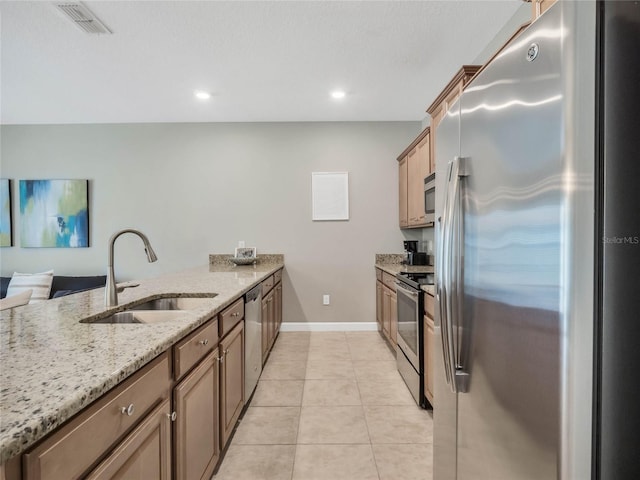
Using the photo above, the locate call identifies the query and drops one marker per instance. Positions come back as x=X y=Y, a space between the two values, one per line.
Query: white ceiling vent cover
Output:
x=83 y=18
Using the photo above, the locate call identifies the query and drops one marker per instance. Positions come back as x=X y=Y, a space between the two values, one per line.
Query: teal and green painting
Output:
x=54 y=213
x=5 y=213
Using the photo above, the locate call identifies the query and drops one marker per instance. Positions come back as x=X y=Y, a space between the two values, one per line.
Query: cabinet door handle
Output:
x=128 y=411
x=172 y=416
x=204 y=342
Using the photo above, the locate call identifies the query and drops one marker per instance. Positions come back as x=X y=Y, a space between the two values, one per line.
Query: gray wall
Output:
x=196 y=189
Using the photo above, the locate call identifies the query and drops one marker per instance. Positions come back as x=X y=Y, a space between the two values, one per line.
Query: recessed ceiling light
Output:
x=338 y=94
x=201 y=95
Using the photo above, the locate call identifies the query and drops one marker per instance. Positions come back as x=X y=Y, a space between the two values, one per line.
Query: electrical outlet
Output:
x=241 y=244
x=326 y=299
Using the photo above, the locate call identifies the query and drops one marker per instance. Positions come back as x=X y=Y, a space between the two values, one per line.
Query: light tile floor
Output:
x=331 y=406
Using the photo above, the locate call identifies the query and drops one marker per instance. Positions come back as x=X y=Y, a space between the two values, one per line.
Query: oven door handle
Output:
x=406 y=291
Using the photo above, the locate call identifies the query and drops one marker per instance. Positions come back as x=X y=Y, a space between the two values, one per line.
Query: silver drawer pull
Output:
x=204 y=342
x=128 y=410
x=235 y=314
x=172 y=416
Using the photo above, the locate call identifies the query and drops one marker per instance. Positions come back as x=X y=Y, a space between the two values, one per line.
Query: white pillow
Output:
x=16 y=300
x=39 y=282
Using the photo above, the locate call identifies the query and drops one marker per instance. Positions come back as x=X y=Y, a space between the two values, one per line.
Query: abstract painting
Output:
x=6 y=234
x=54 y=213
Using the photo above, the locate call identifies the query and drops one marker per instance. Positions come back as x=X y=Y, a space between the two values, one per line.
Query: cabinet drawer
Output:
x=189 y=351
x=378 y=274
x=230 y=317
x=80 y=443
x=429 y=305
x=389 y=280
x=277 y=277
x=144 y=454
x=267 y=285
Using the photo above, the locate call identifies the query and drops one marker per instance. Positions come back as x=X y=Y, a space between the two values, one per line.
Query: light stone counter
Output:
x=52 y=366
x=391 y=263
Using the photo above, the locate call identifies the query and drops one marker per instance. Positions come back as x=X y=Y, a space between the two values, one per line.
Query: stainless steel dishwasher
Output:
x=252 y=340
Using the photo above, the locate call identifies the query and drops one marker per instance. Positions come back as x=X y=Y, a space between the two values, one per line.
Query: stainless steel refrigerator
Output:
x=537 y=228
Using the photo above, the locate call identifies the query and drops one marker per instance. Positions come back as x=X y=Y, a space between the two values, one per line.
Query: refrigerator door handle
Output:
x=456 y=255
x=445 y=283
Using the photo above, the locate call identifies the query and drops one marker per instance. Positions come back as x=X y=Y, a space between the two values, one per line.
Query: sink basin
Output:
x=157 y=310
x=173 y=303
x=146 y=316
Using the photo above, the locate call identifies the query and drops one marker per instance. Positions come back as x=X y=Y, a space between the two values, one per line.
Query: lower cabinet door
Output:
x=379 y=308
x=145 y=453
x=265 y=329
x=429 y=347
x=278 y=314
x=386 y=312
x=231 y=380
x=393 y=322
x=197 y=444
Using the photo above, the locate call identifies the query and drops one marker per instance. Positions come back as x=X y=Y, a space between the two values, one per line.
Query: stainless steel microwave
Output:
x=430 y=198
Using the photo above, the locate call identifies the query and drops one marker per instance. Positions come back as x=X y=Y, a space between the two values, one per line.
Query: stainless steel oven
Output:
x=430 y=198
x=410 y=352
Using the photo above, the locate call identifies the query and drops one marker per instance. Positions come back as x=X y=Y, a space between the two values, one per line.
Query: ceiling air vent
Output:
x=83 y=18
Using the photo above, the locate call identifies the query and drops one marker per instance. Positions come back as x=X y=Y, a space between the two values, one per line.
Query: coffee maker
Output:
x=411 y=254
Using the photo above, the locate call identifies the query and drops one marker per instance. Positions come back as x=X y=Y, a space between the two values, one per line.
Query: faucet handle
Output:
x=120 y=288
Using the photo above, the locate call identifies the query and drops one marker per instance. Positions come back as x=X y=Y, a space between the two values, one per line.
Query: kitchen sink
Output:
x=143 y=316
x=157 y=310
x=173 y=303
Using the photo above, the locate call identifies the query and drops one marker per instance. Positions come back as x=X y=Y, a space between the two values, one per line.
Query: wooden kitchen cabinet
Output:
x=196 y=427
x=413 y=167
x=429 y=345
x=393 y=321
x=386 y=312
x=538 y=7
x=144 y=454
x=271 y=311
x=101 y=427
x=278 y=309
x=379 y=305
x=444 y=101
x=403 y=192
x=231 y=380
x=266 y=316
x=389 y=320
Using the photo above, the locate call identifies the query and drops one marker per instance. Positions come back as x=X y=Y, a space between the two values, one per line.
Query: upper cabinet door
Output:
x=414 y=166
x=403 y=192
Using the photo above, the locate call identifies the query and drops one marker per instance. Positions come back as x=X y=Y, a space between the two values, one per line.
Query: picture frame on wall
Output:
x=245 y=252
x=6 y=218
x=54 y=213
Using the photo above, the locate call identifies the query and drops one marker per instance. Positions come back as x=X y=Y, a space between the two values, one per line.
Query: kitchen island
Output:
x=53 y=366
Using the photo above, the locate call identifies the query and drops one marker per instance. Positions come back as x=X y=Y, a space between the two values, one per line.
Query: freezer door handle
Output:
x=450 y=279
x=456 y=279
x=444 y=280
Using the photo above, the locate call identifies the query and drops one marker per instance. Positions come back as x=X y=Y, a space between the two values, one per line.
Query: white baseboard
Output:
x=328 y=327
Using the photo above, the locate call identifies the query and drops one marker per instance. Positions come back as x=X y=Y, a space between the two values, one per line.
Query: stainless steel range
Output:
x=410 y=352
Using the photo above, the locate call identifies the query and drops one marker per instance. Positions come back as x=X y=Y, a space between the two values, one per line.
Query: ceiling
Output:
x=261 y=61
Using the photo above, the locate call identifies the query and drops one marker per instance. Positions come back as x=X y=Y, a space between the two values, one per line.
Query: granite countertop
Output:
x=53 y=366
x=391 y=263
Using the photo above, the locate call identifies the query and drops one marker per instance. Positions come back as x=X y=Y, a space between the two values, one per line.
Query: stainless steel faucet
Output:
x=111 y=293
